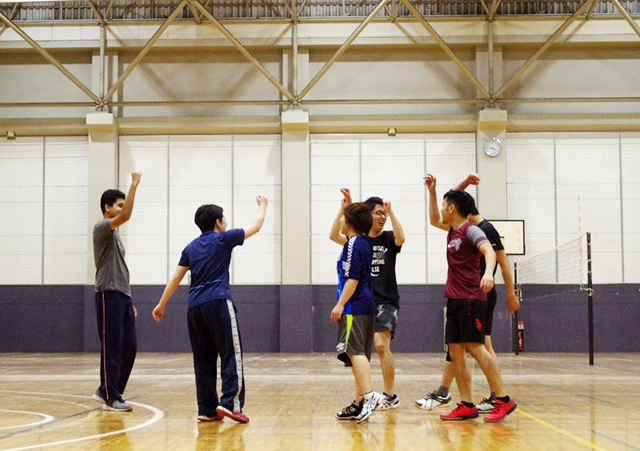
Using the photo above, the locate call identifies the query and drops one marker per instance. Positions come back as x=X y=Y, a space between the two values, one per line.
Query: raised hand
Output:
x=261 y=200
x=135 y=177
x=346 y=200
x=386 y=204
x=473 y=179
x=430 y=182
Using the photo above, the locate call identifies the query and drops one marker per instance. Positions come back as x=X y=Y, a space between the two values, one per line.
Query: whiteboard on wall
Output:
x=512 y=235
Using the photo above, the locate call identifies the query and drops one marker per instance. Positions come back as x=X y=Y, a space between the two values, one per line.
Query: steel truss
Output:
x=201 y=15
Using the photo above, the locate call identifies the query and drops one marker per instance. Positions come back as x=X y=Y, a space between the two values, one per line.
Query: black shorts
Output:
x=465 y=321
x=387 y=318
x=488 y=324
x=355 y=336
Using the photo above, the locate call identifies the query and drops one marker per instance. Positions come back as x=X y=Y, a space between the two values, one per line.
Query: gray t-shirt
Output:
x=112 y=273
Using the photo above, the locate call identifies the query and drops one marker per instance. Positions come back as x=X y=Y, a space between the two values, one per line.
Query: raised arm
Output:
x=505 y=267
x=169 y=290
x=256 y=225
x=127 y=208
x=472 y=179
x=434 y=212
x=487 y=281
x=398 y=233
x=335 y=234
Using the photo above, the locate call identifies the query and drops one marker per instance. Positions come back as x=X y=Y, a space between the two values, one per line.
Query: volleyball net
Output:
x=552 y=273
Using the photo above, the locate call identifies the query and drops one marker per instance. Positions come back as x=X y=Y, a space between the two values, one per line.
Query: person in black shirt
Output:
x=386 y=245
x=441 y=396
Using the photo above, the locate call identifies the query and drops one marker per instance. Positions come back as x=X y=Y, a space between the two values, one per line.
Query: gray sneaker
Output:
x=99 y=396
x=369 y=406
x=118 y=406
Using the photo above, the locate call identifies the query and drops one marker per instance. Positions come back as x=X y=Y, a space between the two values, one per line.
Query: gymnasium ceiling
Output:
x=127 y=10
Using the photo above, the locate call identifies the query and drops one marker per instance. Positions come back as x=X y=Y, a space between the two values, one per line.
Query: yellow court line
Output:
x=559 y=430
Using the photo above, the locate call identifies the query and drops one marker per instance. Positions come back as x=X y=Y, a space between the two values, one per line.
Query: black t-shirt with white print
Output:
x=496 y=243
x=383 y=269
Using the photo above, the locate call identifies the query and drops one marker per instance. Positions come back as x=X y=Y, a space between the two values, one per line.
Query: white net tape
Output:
x=562 y=265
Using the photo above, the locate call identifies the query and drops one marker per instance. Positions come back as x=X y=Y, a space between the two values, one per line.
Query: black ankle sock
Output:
x=468 y=404
x=504 y=399
x=442 y=391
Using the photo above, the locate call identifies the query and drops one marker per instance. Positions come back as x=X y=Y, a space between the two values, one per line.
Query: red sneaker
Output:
x=205 y=418
x=501 y=410
x=235 y=416
x=461 y=412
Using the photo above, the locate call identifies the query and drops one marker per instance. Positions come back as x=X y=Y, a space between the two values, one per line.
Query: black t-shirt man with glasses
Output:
x=387 y=244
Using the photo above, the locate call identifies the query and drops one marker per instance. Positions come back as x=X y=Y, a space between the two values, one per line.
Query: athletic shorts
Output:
x=355 y=336
x=491 y=305
x=387 y=318
x=465 y=321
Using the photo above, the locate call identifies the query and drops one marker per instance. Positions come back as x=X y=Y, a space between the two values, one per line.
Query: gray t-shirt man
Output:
x=112 y=273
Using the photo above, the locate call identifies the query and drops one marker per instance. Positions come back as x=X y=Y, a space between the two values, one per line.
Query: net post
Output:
x=514 y=317
x=590 y=300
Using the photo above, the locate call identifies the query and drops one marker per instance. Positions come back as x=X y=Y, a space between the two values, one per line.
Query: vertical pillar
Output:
x=296 y=212
x=103 y=175
x=492 y=191
x=103 y=172
x=296 y=300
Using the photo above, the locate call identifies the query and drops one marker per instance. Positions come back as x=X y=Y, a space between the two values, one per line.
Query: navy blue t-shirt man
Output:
x=211 y=316
x=355 y=263
x=209 y=257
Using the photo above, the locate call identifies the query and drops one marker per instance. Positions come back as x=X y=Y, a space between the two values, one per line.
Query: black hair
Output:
x=358 y=216
x=462 y=200
x=110 y=197
x=471 y=204
x=207 y=216
x=474 y=210
x=372 y=202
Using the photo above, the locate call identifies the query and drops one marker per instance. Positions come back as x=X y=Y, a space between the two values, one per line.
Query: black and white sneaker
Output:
x=432 y=400
x=389 y=402
x=350 y=412
x=486 y=405
x=371 y=401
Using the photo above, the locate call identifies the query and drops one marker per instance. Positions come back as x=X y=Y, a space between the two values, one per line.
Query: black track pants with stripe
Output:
x=213 y=330
x=117 y=332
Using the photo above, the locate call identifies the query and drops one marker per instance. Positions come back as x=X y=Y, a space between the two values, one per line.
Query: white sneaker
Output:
x=371 y=401
x=431 y=401
x=389 y=402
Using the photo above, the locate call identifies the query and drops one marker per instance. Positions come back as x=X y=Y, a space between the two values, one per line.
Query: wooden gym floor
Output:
x=563 y=405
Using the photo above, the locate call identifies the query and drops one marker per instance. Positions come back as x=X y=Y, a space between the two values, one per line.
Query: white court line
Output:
x=158 y=414
x=47 y=419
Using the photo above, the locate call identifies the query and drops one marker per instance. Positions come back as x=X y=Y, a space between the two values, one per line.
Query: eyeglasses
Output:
x=380 y=214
